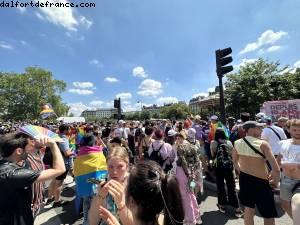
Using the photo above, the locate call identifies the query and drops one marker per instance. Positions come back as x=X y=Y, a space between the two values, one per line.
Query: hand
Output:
x=274 y=178
x=116 y=190
x=108 y=217
x=102 y=190
x=44 y=140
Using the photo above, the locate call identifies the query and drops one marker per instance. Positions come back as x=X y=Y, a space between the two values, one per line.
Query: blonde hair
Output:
x=118 y=152
x=293 y=122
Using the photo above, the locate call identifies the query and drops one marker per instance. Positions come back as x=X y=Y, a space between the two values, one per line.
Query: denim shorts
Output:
x=286 y=188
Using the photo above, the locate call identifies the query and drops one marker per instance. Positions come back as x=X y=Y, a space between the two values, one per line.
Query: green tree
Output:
x=258 y=82
x=175 y=111
x=23 y=94
x=156 y=115
x=145 y=115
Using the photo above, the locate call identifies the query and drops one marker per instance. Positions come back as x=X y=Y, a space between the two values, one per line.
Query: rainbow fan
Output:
x=36 y=132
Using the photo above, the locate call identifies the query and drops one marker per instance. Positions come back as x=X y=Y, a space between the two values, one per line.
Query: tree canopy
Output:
x=257 y=82
x=21 y=94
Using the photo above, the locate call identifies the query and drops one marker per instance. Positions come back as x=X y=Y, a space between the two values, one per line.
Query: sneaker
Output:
x=49 y=200
x=221 y=208
x=239 y=213
x=59 y=204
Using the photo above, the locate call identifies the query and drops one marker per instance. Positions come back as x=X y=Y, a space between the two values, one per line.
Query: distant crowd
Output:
x=152 y=171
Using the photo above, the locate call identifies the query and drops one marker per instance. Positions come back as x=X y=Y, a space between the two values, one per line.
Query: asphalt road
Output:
x=210 y=214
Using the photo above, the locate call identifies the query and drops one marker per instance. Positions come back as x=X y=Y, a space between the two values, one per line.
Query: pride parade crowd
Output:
x=152 y=172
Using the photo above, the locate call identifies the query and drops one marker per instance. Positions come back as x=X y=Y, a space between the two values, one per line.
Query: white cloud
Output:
x=38 y=15
x=204 y=94
x=124 y=95
x=77 y=108
x=21 y=9
x=96 y=63
x=24 y=43
x=130 y=107
x=109 y=104
x=96 y=103
x=243 y=63
x=293 y=69
x=297 y=64
x=212 y=89
x=273 y=48
x=83 y=84
x=166 y=100
x=75 y=35
x=139 y=72
x=81 y=91
x=85 y=22
x=5 y=45
x=150 y=87
x=111 y=79
x=62 y=16
x=266 y=38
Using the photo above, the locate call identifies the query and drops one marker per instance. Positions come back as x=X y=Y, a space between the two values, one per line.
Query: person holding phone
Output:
x=111 y=194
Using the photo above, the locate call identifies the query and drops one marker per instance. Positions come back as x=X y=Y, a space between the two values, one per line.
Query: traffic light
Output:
x=222 y=59
x=117 y=103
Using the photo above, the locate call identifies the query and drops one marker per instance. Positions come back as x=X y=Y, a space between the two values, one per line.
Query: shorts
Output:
x=257 y=192
x=63 y=176
x=286 y=188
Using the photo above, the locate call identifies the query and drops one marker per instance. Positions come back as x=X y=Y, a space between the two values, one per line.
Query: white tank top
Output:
x=289 y=151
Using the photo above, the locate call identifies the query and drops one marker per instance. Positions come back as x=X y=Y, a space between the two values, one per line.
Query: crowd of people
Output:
x=152 y=172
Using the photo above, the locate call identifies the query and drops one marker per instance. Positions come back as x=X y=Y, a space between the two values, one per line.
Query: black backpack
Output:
x=156 y=156
x=223 y=157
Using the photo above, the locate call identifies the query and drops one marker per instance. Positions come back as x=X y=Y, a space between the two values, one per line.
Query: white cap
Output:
x=214 y=117
x=172 y=133
x=121 y=121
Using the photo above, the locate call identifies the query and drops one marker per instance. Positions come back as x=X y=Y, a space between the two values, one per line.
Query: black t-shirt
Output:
x=15 y=194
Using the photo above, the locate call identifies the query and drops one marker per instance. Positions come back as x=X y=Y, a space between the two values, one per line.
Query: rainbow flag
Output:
x=47 y=111
x=213 y=128
x=80 y=134
x=89 y=163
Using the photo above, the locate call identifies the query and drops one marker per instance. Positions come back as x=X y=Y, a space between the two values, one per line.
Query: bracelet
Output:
x=120 y=208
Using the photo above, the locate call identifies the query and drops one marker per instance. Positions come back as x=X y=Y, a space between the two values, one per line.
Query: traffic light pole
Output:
x=119 y=109
x=222 y=101
x=223 y=58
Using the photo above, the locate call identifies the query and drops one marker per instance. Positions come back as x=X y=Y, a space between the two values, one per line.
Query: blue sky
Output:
x=156 y=51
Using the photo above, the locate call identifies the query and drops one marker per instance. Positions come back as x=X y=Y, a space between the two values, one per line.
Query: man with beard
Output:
x=16 y=181
x=289 y=158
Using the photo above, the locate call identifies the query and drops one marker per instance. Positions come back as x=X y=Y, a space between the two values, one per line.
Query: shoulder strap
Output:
x=258 y=152
x=275 y=133
x=161 y=147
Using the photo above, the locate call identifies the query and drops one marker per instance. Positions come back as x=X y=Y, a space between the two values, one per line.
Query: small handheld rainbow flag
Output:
x=47 y=111
x=37 y=132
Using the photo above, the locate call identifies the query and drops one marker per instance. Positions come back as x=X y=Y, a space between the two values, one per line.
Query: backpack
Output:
x=156 y=156
x=223 y=158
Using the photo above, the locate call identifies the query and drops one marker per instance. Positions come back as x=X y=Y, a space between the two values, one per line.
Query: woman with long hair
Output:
x=149 y=193
x=221 y=150
x=111 y=194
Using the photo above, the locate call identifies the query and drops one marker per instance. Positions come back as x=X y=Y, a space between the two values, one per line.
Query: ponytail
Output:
x=173 y=209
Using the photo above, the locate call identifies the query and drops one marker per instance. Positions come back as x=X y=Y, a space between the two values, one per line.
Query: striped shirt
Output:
x=35 y=163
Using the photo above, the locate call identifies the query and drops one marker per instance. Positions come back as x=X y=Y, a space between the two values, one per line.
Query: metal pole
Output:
x=222 y=102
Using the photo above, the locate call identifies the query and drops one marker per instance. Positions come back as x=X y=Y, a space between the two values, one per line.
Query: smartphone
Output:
x=95 y=181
